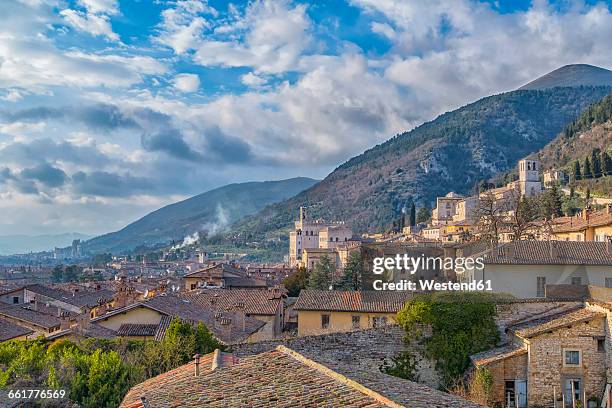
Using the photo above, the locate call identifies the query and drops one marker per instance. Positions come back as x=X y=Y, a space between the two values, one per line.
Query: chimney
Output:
x=609 y=209
x=552 y=246
x=144 y=402
x=609 y=245
x=585 y=214
x=36 y=303
x=197 y=365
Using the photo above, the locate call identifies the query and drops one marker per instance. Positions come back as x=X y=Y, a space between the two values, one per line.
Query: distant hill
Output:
x=23 y=244
x=572 y=75
x=211 y=211
x=451 y=153
x=592 y=130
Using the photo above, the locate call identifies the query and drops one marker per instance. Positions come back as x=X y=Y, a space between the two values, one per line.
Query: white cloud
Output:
x=270 y=37
x=254 y=80
x=182 y=26
x=110 y=7
x=186 y=82
x=94 y=24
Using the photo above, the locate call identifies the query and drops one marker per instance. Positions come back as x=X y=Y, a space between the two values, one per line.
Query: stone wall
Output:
x=363 y=349
x=546 y=368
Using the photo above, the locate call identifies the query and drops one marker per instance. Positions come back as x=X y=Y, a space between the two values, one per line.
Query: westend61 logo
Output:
x=393 y=267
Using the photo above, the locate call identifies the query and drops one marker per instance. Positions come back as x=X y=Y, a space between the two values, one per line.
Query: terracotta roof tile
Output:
x=249 y=301
x=10 y=330
x=556 y=321
x=137 y=329
x=278 y=378
x=549 y=253
x=349 y=301
x=498 y=353
x=25 y=314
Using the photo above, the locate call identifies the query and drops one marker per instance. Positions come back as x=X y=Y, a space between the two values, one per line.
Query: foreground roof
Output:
x=498 y=353
x=281 y=377
x=351 y=301
x=9 y=330
x=550 y=253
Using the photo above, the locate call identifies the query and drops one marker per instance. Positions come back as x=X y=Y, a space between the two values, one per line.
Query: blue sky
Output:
x=110 y=109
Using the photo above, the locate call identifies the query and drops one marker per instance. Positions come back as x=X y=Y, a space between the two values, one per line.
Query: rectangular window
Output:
x=356 y=322
x=576 y=280
x=324 y=321
x=608 y=282
x=572 y=357
x=379 y=321
x=541 y=286
x=15 y=300
x=601 y=345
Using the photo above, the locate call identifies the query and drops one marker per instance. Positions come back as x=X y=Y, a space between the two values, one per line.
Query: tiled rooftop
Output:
x=250 y=301
x=137 y=329
x=550 y=253
x=579 y=222
x=226 y=326
x=349 y=301
x=10 y=330
x=278 y=378
x=25 y=314
x=82 y=298
x=548 y=323
x=498 y=353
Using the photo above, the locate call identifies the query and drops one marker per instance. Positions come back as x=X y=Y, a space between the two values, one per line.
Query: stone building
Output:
x=315 y=234
x=559 y=358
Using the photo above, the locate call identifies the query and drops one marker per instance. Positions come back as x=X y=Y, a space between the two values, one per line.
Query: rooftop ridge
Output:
x=337 y=376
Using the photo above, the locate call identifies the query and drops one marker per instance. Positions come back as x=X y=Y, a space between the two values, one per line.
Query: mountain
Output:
x=21 y=244
x=592 y=130
x=572 y=75
x=211 y=211
x=451 y=153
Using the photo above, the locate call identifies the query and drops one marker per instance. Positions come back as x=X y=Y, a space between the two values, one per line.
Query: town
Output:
x=551 y=292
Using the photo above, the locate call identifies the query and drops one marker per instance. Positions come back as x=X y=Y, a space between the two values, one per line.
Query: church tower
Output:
x=529 y=177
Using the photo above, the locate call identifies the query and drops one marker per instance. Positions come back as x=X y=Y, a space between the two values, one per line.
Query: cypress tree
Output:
x=577 y=172
x=412 y=215
x=587 y=169
x=595 y=163
x=606 y=164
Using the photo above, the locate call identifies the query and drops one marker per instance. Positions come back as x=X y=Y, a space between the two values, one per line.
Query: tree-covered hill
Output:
x=450 y=153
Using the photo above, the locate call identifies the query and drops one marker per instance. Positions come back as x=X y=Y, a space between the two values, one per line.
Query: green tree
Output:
x=551 y=203
x=413 y=215
x=461 y=324
x=587 y=169
x=424 y=214
x=403 y=365
x=297 y=281
x=57 y=275
x=353 y=272
x=577 y=172
x=71 y=273
x=596 y=163
x=606 y=164
x=322 y=273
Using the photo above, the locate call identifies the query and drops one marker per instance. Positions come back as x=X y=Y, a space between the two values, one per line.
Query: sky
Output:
x=110 y=109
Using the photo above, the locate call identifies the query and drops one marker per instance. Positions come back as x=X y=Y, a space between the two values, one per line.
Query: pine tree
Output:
x=606 y=164
x=353 y=272
x=595 y=163
x=577 y=173
x=587 y=169
x=322 y=273
x=412 y=215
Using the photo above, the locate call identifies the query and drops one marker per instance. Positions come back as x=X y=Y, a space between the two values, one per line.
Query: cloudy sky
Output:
x=109 y=109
